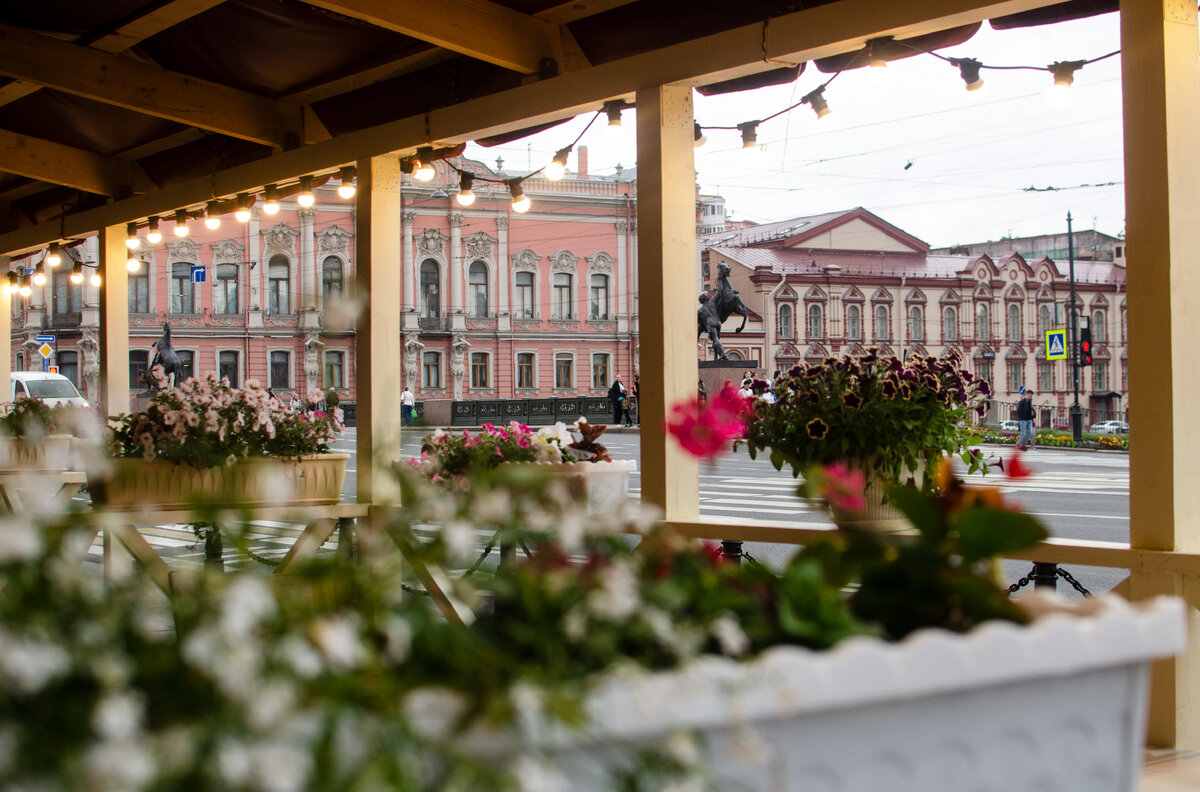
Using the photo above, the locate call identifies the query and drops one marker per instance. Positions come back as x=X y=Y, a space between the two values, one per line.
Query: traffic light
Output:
x=1085 y=346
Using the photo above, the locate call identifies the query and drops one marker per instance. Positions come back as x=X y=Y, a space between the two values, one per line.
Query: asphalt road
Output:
x=1076 y=494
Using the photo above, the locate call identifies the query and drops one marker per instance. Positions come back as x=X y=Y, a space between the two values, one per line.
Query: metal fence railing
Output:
x=1051 y=416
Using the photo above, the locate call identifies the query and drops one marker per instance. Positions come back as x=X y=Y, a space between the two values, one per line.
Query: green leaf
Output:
x=921 y=509
x=987 y=532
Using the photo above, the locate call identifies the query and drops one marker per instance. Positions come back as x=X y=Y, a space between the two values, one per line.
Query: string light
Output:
x=53 y=258
x=425 y=170
x=749 y=130
x=39 y=276
x=698 y=137
x=969 y=68
x=558 y=166
x=346 y=189
x=25 y=289
x=613 y=110
x=242 y=213
x=816 y=100
x=96 y=278
x=306 y=198
x=212 y=216
x=133 y=264
x=877 y=52
x=131 y=238
x=181 y=227
x=77 y=273
x=153 y=235
x=466 y=196
x=13 y=285
x=520 y=201
x=270 y=200
x=1064 y=72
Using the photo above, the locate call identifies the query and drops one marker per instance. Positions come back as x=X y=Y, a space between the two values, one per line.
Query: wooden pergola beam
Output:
x=114 y=80
x=71 y=167
x=476 y=28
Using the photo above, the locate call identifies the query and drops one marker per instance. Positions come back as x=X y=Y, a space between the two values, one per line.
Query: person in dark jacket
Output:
x=1025 y=421
x=616 y=395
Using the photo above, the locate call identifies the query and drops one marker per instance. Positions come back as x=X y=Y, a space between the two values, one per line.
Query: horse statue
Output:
x=715 y=310
x=165 y=356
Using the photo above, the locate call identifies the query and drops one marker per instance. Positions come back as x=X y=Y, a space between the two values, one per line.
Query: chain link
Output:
x=1067 y=576
x=1022 y=583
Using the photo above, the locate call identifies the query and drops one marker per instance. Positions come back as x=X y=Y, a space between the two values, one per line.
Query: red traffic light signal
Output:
x=1085 y=346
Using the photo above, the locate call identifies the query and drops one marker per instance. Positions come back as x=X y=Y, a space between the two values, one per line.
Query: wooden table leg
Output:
x=142 y=552
x=310 y=540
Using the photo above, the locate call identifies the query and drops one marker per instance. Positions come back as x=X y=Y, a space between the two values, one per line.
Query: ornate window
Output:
x=279 y=273
x=182 y=296
x=68 y=366
x=228 y=368
x=281 y=370
x=1045 y=320
x=139 y=290
x=882 y=323
x=1014 y=321
x=1016 y=376
x=949 y=325
x=561 y=298
x=477 y=292
x=600 y=370
x=523 y=296
x=916 y=323
x=139 y=364
x=564 y=370
x=1045 y=376
x=332 y=283
x=431 y=370
x=983 y=370
x=430 y=289
x=1099 y=376
x=1099 y=336
x=187 y=359
x=225 y=290
x=983 y=322
x=854 y=323
x=479 y=369
x=525 y=369
x=816 y=322
x=598 y=298
x=335 y=367
x=785 y=322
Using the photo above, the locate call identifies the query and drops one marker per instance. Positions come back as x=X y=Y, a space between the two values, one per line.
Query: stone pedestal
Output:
x=715 y=373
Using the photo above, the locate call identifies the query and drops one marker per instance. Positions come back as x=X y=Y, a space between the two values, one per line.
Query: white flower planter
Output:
x=607 y=483
x=1057 y=705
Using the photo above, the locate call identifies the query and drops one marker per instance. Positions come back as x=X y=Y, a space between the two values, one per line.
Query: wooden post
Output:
x=114 y=321
x=377 y=356
x=1162 y=187
x=666 y=282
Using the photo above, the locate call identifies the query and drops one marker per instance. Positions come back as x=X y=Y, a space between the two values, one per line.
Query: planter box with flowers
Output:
x=30 y=437
x=207 y=443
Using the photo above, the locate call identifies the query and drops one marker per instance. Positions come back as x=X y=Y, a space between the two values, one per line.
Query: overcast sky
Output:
x=972 y=154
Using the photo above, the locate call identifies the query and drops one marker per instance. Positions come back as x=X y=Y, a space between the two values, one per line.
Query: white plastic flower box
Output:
x=1056 y=705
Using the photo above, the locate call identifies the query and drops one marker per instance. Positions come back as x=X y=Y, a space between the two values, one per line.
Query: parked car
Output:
x=1109 y=427
x=1010 y=426
x=1060 y=423
x=54 y=389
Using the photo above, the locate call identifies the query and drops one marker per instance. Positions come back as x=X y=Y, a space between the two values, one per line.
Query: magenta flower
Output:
x=842 y=487
x=705 y=430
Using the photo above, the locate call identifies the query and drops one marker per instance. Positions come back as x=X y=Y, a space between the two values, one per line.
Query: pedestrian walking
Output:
x=407 y=403
x=616 y=395
x=1025 y=421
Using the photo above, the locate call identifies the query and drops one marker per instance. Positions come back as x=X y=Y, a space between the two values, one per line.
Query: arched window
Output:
x=816 y=322
x=477 y=289
x=1098 y=334
x=598 y=299
x=331 y=278
x=429 y=290
x=983 y=322
x=1014 y=322
x=785 y=321
x=278 y=277
x=1045 y=320
x=854 y=323
x=182 y=300
x=949 y=325
x=225 y=290
x=882 y=322
x=139 y=289
x=916 y=324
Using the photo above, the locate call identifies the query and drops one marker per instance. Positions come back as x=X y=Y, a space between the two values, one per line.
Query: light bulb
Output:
x=306 y=198
x=53 y=257
x=698 y=136
x=1059 y=93
x=181 y=226
x=749 y=131
x=77 y=274
x=466 y=196
x=153 y=235
x=133 y=264
x=242 y=213
x=346 y=190
x=131 y=238
x=557 y=168
x=25 y=290
x=613 y=111
x=96 y=278
x=39 y=276
x=520 y=202
x=270 y=200
x=212 y=216
x=816 y=100
x=968 y=69
x=12 y=285
x=425 y=170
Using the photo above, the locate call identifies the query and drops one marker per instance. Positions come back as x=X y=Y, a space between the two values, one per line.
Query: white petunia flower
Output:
x=458 y=536
x=534 y=774
x=398 y=634
x=618 y=597
x=122 y=764
x=683 y=748
x=29 y=664
x=19 y=541
x=247 y=601
x=730 y=635
x=118 y=716
x=301 y=656
x=271 y=706
x=339 y=640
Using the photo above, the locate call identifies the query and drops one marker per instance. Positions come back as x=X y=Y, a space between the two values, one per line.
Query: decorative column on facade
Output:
x=455 y=263
x=412 y=359
x=503 y=275
x=38 y=308
x=623 y=307
x=255 y=271
x=307 y=302
x=408 y=280
x=458 y=363
x=312 y=361
x=634 y=309
x=90 y=252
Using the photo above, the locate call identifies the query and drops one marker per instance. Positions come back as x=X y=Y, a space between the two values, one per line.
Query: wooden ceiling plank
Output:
x=147 y=89
x=804 y=35
x=414 y=61
x=71 y=167
x=476 y=28
x=564 y=13
x=153 y=22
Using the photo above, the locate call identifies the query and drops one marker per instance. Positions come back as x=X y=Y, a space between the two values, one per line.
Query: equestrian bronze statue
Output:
x=715 y=310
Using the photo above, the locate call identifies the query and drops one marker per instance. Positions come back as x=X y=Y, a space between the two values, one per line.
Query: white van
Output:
x=54 y=389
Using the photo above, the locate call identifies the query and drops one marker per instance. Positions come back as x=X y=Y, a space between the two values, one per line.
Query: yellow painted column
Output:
x=377 y=338
x=1161 y=76
x=6 y=322
x=666 y=286
x=114 y=321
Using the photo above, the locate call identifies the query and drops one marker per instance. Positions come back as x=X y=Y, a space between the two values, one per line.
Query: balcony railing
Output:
x=433 y=324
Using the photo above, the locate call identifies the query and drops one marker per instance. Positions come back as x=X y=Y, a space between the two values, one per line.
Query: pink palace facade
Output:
x=497 y=305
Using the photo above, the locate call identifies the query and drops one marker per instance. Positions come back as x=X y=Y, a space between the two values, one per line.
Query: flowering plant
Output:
x=26 y=417
x=208 y=424
x=454 y=454
x=872 y=411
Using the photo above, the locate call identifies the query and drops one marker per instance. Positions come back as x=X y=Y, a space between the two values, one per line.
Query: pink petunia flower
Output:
x=705 y=430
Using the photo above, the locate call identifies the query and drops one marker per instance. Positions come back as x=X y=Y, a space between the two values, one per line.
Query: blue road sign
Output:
x=1056 y=344
x=199 y=273
x=45 y=339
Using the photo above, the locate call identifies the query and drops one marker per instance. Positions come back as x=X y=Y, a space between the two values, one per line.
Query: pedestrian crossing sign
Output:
x=1056 y=344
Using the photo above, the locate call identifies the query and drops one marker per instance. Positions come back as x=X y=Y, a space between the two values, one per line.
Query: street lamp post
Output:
x=1076 y=412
